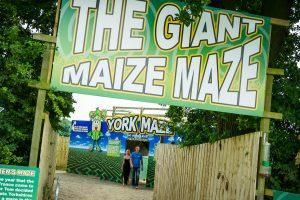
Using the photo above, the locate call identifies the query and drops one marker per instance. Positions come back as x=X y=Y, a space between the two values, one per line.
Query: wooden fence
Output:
x=47 y=161
x=62 y=152
x=224 y=170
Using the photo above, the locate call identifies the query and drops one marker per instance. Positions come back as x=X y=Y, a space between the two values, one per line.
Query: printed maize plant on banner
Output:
x=138 y=50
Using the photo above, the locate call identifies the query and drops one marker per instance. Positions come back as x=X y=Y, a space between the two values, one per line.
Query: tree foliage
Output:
x=66 y=128
x=191 y=11
x=20 y=63
x=199 y=126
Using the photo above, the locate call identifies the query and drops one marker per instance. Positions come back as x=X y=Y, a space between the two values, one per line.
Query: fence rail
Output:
x=224 y=170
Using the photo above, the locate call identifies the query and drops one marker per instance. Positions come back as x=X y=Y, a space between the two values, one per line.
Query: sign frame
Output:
x=68 y=62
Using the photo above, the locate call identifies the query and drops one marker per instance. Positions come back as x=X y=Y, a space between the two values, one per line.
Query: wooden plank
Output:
x=53 y=45
x=129 y=108
x=275 y=71
x=214 y=183
x=156 y=115
x=226 y=182
x=255 y=153
x=206 y=168
x=280 y=22
x=56 y=21
x=269 y=192
x=273 y=115
x=195 y=166
x=47 y=160
x=40 y=86
x=198 y=172
x=52 y=164
x=138 y=108
x=163 y=109
x=44 y=38
x=235 y=170
x=246 y=164
x=44 y=161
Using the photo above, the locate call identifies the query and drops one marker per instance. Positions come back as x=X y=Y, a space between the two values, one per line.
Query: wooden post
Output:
x=44 y=80
x=54 y=34
x=114 y=111
x=265 y=128
x=265 y=121
x=39 y=111
x=52 y=164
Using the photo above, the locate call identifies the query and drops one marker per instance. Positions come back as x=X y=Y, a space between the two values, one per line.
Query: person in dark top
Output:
x=126 y=166
x=137 y=162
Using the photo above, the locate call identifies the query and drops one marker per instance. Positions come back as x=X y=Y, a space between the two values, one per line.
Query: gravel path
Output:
x=79 y=187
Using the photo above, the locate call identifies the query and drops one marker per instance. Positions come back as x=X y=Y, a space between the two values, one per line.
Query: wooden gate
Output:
x=224 y=170
x=62 y=152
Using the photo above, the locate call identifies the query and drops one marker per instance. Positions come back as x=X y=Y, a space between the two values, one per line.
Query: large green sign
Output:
x=137 y=50
x=18 y=183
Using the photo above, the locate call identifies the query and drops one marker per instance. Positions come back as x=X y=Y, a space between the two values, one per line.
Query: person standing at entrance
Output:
x=137 y=162
x=126 y=166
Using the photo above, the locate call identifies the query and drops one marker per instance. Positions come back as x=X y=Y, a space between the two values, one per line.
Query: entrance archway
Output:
x=144 y=146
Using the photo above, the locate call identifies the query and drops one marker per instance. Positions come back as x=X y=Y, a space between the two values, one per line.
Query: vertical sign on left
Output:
x=18 y=182
x=114 y=148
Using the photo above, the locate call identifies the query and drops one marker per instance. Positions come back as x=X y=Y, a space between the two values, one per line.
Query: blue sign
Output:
x=81 y=139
